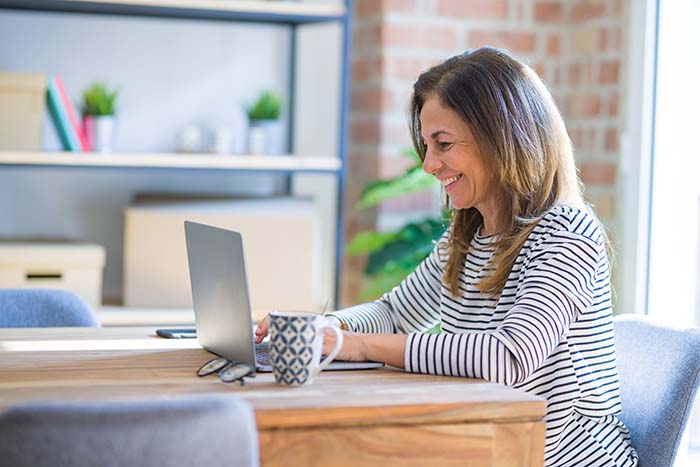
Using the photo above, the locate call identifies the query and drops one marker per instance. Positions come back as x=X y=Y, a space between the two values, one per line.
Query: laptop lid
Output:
x=220 y=299
x=220 y=292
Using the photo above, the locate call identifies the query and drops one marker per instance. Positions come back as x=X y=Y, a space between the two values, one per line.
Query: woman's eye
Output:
x=444 y=146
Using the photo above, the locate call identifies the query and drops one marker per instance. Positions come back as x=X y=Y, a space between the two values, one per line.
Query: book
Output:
x=60 y=118
x=71 y=114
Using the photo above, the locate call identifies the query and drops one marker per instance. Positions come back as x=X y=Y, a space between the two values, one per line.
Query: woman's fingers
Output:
x=261 y=330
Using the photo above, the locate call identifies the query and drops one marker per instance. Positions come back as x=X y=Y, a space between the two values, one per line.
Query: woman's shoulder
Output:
x=569 y=221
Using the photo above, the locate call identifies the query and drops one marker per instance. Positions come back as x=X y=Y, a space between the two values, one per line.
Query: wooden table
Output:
x=377 y=417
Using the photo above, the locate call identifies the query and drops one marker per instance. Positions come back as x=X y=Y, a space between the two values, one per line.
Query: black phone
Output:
x=185 y=333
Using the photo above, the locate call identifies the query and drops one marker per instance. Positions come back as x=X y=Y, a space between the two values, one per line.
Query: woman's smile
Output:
x=449 y=183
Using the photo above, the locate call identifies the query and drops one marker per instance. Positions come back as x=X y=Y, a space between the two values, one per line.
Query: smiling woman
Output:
x=520 y=282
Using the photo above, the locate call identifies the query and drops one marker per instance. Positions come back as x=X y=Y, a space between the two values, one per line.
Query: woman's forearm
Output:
x=387 y=348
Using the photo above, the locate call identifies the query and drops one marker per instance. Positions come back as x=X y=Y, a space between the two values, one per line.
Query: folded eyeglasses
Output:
x=229 y=371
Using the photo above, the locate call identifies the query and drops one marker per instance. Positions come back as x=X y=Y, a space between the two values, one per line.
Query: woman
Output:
x=520 y=282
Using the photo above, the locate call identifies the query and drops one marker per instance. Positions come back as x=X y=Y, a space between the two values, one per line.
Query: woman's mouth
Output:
x=449 y=183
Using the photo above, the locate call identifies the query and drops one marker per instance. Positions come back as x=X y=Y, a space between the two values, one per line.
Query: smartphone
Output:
x=185 y=333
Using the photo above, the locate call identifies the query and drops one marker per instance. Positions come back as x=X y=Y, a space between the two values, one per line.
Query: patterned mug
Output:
x=296 y=341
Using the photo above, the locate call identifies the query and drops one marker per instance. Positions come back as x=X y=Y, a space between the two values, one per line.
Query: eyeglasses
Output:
x=229 y=371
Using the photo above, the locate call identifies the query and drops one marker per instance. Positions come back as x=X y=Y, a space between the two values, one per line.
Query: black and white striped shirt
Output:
x=550 y=332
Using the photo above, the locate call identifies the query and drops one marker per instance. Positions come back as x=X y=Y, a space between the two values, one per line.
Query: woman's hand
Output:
x=352 y=349
x=358 y=347
x=261 y=330
x=264 y=327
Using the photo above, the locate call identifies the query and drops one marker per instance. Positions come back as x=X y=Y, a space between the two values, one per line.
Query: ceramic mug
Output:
x=296 y=341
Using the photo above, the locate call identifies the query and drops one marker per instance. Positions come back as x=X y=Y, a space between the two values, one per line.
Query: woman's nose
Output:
x=431 y=163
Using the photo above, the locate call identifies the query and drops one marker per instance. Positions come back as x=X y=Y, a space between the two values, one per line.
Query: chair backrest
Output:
x=659 y=370
x=212 y=431
x=38 y=308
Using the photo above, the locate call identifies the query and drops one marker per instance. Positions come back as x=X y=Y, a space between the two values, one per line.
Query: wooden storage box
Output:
x=22 y=104
x=281 y=240
x=55 y=265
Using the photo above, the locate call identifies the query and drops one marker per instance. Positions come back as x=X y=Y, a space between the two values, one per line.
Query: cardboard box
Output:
x=281 y=241
x=22 y=104
x=54 y=265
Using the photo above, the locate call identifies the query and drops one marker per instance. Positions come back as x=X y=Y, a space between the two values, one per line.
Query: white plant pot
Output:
x=100 y=132
x=266 y=137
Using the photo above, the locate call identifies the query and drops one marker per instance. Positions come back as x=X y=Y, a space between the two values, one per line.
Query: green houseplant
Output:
x=99 y=116
x=266 y=133
x=393 y=255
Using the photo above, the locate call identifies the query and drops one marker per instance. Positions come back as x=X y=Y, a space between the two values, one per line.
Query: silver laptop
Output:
x=223 y=319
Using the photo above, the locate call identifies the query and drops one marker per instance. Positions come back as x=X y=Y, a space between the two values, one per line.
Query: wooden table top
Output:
x=132 y=362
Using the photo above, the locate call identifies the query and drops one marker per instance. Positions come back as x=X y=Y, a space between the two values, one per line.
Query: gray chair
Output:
x=212 y=431
x=659 y=370
x=25 y=308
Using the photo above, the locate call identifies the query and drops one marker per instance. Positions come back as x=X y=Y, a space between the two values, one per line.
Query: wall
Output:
x=170 y=73
x=575 y=45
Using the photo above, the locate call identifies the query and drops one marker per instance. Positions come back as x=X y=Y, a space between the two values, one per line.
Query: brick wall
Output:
x=575 y=45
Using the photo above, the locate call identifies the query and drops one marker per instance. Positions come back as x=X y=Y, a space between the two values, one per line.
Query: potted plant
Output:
x=393 y=255
x=99 y=121
x=265 y=134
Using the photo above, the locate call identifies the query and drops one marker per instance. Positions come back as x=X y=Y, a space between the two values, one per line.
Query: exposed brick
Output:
x=539 y=69
x=612 y=143
x=613 y=107
x=548 y=12
x=609 y=72
x=476 y=9
x=365 y=132
x=396 y=134
x=517 y=42
x=617 y=8
x=553 y=44
x=403 y=67
x=393 y=34
x=585 y=41
x=585 y=105
x=583 y=10
x=376 y=100
x=573 y=75
x=583 y=139
x=399 y=6
x=366 y=37
x=603 y=39
x=580 y=73
x=617 y=39
x=603 y=205
x=556 y=78
x=598 y=173
x=367 y=8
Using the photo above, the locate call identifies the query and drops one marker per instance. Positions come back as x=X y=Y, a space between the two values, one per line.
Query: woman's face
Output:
x=453 y=157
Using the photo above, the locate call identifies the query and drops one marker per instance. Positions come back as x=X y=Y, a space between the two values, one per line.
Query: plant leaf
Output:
x=369 y=241
x=414 y=180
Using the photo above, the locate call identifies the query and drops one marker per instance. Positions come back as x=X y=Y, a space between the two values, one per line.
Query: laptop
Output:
x=223 y=318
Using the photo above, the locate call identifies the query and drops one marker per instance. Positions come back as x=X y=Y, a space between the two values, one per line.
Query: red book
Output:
x=71 y=114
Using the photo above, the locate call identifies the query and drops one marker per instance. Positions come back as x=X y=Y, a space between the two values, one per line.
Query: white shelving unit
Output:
x=291 y=14
x=280 y=163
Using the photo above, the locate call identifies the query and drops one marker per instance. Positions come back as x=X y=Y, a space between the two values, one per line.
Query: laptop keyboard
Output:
x=262 y=354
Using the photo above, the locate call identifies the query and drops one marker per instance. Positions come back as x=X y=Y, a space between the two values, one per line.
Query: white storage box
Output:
x=22 y=97
x=281 y=241
x=53 y=265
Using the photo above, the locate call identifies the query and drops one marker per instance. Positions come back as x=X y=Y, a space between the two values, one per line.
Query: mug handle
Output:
x=336 y=349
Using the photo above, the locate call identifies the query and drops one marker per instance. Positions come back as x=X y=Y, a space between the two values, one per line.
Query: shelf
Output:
x=276 y=11
x=285 y=163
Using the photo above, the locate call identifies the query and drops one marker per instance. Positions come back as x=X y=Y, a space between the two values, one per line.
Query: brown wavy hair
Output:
x=523 y=143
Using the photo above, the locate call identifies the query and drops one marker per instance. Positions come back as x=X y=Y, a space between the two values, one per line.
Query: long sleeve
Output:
x=413 y=305
x=557 y=283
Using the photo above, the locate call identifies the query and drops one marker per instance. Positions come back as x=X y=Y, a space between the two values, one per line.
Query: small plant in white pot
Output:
x=265 y=134
x=99 y=117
